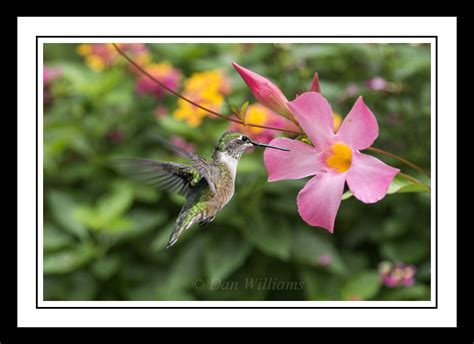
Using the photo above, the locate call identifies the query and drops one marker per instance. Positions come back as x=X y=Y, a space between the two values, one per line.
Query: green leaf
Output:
x=273 y=239
x=187 y=266
x=62 y=208
x=234 y=110
x=414 y=292
x=398 y=185
x=225 y=253
x=171 y=125
x=54 y=239
x=76 y=286
x=305 y=139
x=141 y=222
x=69 y=260
x=362 y=286
x=145 y=193
x=161 y=239
x=106 y=266
x=107 y=215
x=308 y=246
x=243 y=111
x=116 y=203
x=319 y=285
x=407 y=251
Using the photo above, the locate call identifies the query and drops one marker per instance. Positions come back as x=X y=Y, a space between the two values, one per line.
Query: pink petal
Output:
x=369 y=178
x=319 y=200
x=301 y=161
x=265 y=91
x=359 y=129
x=315 y=85
x=314 y=114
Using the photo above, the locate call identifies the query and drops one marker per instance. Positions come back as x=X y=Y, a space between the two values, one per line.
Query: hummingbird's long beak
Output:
x=268 y=146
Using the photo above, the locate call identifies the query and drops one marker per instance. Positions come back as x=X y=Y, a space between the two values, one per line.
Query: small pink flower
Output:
x=334 y=159
x=390 y=281
x=160 y=111
x=183 y=144
x=408 y=281
x=352 y=89
x=377 y=84
x=324 y=260
x=50 y=74
x=165 y=73
x=397 y=275
x=265 y=91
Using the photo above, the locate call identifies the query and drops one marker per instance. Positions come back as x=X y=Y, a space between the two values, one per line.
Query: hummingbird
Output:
x=207 y=184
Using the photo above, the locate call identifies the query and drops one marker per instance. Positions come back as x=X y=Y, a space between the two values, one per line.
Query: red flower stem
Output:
x=396 y=157
x=227 y=118
x=179 y=95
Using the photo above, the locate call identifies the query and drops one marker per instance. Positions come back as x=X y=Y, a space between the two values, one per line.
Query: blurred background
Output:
x=105 y=235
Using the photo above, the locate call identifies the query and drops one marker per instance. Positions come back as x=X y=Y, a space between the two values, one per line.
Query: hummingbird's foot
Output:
x=206 y=222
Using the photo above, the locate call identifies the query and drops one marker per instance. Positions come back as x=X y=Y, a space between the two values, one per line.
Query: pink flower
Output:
x=390 y=281
x=49 y=74
x=265 y=91
x=334 y=159
x=397 y=275
x=99 y=56
x=377 y=84
x=165 y=73
x=268 y=94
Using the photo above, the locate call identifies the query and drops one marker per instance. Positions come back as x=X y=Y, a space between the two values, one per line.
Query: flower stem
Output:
x=396 y=157
x=179 y=95
x=228 y=118
x=413 y=179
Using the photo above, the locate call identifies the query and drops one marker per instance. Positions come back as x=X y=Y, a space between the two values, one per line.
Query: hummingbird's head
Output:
x=233 y=144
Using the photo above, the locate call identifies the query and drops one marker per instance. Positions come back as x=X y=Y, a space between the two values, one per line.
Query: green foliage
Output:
x=362 y=286
x=399 y=185
x=104 y=236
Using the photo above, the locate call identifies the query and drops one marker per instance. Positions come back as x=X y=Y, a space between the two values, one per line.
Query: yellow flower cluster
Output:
x=257 y=114
x=205 y=88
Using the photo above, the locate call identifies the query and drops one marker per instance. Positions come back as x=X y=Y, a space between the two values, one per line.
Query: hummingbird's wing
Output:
x=204 y=166
x=168 y=176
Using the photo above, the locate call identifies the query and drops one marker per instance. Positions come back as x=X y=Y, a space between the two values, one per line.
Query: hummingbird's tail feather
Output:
x=184 y=221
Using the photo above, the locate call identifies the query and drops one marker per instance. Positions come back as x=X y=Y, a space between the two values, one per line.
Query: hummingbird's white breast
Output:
x=230 y=161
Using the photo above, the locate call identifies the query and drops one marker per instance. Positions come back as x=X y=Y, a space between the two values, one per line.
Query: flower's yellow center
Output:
x=340 y=157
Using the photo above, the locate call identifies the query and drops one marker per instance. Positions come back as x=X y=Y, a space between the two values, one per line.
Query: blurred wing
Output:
x=202 y=165
x=168 y=176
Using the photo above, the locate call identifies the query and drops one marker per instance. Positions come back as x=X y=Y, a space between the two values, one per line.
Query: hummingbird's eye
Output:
x=245 y=139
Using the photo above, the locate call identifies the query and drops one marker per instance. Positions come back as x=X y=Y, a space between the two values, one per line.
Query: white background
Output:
x=445 y=28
